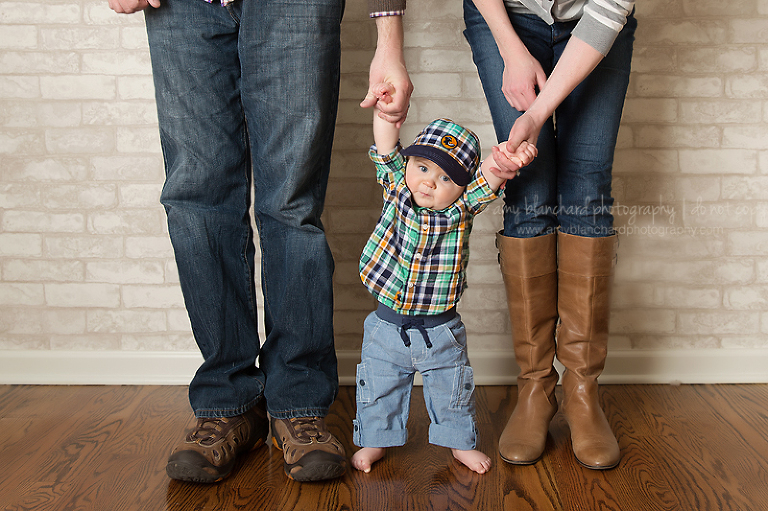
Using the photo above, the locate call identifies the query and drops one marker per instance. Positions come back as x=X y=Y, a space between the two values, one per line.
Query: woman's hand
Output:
x=522 y=80
x=525 y=129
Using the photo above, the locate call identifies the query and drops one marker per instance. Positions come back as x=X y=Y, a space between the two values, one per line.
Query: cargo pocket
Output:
x=363 y=393
x=464 y=387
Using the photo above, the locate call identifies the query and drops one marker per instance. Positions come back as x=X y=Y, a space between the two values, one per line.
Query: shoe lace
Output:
x=208 y=430
x=308 y=428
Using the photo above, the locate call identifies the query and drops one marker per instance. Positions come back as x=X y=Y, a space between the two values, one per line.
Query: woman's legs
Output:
x=569 y=189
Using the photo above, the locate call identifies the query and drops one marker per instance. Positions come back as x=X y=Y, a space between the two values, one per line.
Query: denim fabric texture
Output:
x=568 y=185
x=247 y=97
x=385 y=379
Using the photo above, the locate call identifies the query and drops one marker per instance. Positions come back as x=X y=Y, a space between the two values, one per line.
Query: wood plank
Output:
x=689 y=448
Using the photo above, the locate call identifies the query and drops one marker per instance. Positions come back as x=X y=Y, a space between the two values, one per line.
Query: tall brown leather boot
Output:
x=585 y=274
x=529 y=268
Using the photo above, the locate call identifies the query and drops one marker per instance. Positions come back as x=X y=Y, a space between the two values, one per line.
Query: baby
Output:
x=415 y=265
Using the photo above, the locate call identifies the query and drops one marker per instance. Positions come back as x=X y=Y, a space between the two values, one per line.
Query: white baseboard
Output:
x=491 y=368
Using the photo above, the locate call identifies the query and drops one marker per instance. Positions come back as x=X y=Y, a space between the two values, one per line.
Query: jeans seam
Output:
x=231 y=10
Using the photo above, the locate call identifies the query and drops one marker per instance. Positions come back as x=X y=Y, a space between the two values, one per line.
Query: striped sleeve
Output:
x=602 y=21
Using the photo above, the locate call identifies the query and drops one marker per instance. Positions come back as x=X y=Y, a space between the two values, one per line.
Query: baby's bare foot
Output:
x=365 y=457
x=474 y=460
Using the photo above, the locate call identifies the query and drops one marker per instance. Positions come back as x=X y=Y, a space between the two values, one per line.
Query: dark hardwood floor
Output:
x=103 y=448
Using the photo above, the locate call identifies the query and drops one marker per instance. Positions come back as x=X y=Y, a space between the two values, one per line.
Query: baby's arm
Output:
x=385 y=133
x=524 y=155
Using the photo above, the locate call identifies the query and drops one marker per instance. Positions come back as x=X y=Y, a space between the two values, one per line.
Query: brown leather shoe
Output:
x=209 y=452
x=310 y=451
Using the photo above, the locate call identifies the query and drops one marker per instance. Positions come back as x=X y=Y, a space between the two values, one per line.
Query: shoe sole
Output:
x=191 y=474
x=198 y=473
x=519 y=462
x=598 y=467
x=314 y=466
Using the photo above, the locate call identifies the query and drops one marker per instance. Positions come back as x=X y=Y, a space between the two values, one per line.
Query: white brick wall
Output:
x=86 y=266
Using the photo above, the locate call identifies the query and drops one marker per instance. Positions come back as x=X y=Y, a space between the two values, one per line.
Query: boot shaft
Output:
x=585 y=276
x=529 y=268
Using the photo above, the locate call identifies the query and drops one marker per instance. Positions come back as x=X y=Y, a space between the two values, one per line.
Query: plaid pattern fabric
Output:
x=415 y=259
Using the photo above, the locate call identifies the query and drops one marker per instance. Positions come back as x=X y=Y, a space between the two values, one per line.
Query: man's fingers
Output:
x=369 y=101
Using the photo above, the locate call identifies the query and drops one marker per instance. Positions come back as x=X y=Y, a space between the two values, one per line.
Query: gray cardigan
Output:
x=599 y=22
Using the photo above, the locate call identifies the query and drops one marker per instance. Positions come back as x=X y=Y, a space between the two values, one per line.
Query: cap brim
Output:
x=448 y=163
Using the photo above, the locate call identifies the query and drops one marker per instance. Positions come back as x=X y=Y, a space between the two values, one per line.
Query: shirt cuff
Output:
x=384 y=158
x=378 y=8
x=381 y=14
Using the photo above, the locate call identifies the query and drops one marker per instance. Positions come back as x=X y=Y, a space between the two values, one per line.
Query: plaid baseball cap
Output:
x=454 y=148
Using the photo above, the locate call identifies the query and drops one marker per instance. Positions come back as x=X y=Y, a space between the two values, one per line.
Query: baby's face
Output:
x=430 y=186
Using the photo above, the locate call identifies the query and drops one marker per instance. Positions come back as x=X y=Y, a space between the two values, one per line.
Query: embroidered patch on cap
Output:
x=449 y=142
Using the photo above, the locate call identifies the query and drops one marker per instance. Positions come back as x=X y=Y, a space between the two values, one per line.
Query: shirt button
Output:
x=425 y=227
x=410 y=284
x=417 y=256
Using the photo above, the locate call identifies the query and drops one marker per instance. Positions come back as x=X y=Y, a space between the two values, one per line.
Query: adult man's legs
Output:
x=289 y=54
x=290 y=78
x=206 y=195
x=195 y=49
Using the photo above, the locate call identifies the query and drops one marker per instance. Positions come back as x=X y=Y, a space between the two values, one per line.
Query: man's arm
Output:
x=131 y=6
x=388 y=67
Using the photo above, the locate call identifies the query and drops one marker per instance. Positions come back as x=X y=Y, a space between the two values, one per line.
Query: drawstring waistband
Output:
x=420 y=322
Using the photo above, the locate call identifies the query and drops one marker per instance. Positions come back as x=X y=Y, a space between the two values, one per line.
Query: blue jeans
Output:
x=247 y=99
x=569 y=184
x=385 y=379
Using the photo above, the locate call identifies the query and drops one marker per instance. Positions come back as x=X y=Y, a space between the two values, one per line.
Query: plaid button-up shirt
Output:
x=415 y=260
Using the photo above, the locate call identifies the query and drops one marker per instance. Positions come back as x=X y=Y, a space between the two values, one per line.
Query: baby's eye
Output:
x=423 y=168
x=445 y=179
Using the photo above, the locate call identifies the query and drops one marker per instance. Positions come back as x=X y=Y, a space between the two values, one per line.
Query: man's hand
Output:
x=389 y=86
x=131 y=6
x=389 y=89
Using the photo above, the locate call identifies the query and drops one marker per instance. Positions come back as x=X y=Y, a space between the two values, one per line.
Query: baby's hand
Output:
x=526 y=152
x=512 y=162
x=523 y=155
x=507 y=163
